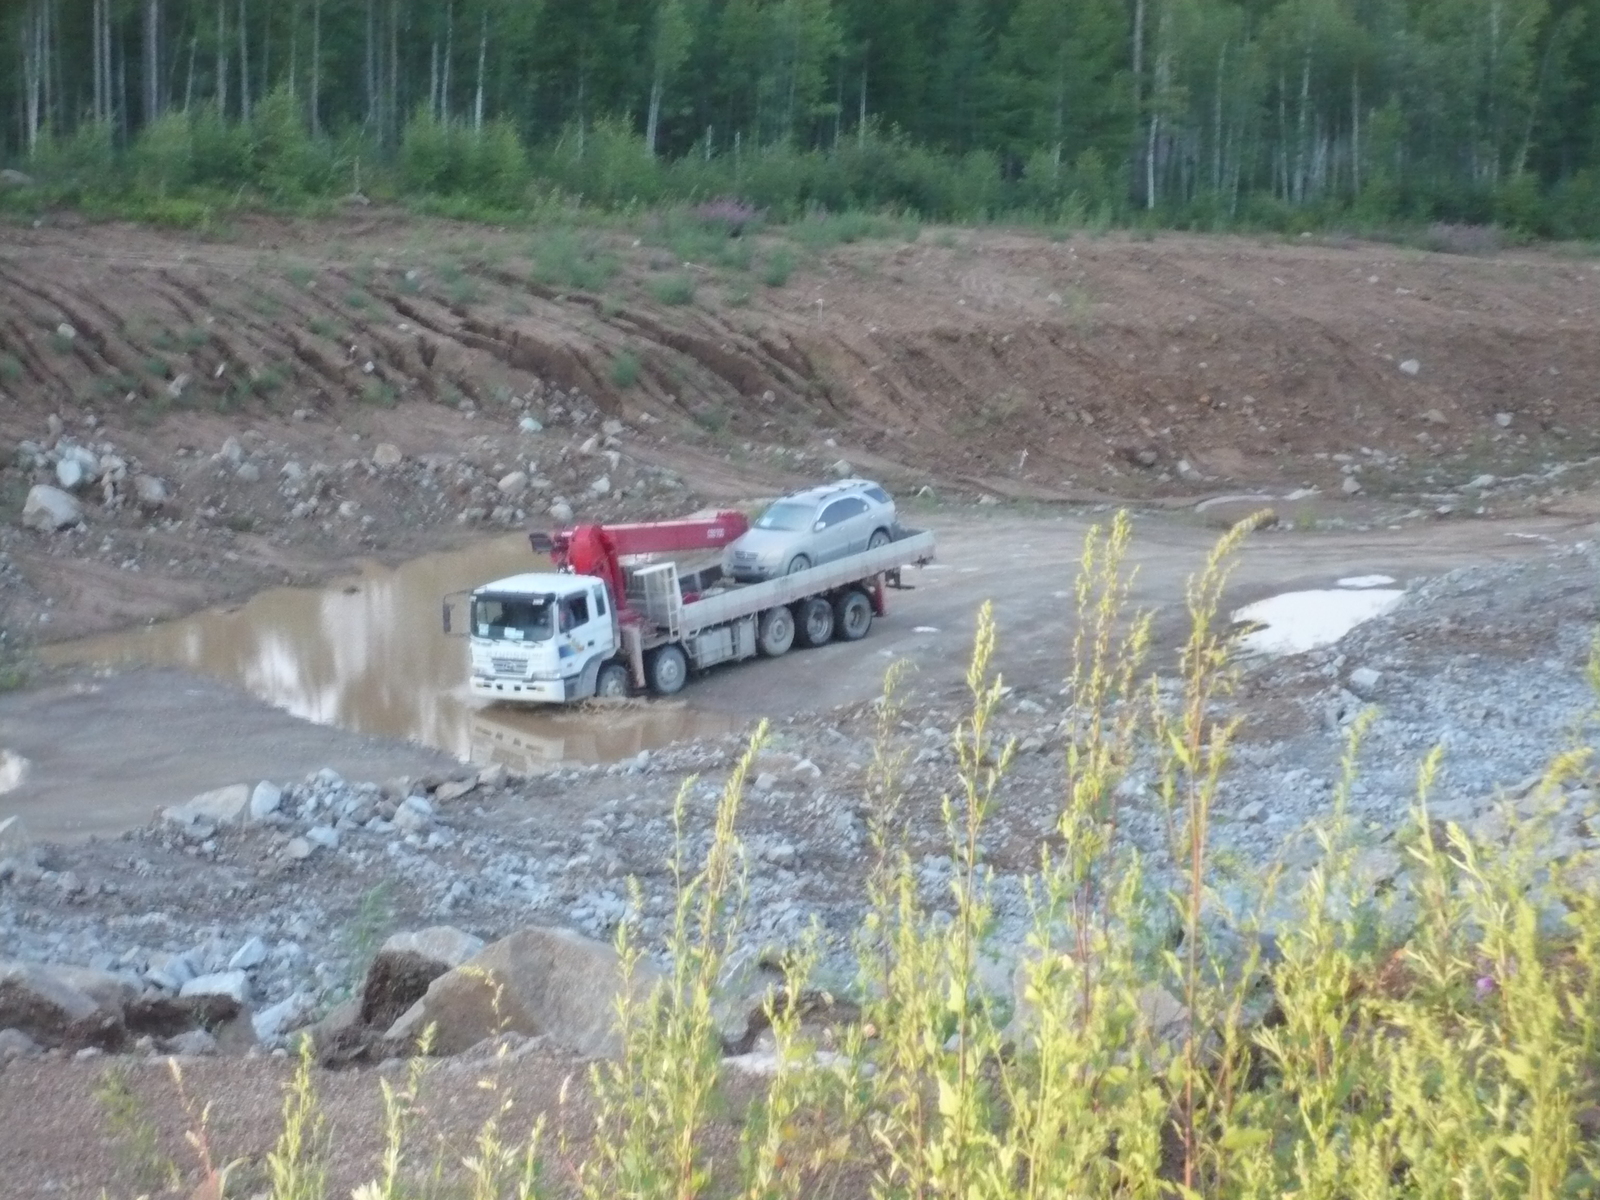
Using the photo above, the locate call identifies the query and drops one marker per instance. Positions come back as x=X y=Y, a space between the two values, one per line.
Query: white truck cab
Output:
x=541 y=637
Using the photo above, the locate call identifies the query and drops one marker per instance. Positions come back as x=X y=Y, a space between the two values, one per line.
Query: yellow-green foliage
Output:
x=1443 y=1046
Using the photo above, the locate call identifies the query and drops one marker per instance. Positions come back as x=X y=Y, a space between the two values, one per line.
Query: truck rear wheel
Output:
x=775 y=633
x=852 y=616
x=669 y=671
x=813 y=620
x=612 y=682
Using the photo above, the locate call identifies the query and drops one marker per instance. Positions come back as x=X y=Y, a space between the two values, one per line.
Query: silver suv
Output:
x=813 y=527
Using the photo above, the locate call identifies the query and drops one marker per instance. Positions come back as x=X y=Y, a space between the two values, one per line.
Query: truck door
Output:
x=583 y=631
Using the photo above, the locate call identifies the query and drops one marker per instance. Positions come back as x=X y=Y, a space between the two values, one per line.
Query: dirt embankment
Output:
x=950 y=356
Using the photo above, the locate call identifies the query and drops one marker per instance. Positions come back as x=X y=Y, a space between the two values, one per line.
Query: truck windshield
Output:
x=513 y=618
x=787 y=518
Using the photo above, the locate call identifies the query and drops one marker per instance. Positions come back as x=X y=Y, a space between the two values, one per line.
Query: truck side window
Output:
x=600 y=602
x=574 y=612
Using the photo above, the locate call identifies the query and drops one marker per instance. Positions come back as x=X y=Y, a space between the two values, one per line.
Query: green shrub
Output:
x=673 y=289
x=567 y=259
x=780 y=265
x=625 y=369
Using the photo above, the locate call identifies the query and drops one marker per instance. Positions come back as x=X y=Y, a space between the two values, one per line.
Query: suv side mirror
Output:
x=819 y=527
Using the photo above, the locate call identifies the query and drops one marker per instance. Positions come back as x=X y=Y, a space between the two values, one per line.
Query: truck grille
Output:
x=509 y=666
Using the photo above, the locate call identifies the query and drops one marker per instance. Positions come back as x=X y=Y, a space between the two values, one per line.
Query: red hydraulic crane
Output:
x=598 y=550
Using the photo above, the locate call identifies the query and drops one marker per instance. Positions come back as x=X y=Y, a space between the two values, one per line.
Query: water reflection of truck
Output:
x=528 y=742
x=611 y=619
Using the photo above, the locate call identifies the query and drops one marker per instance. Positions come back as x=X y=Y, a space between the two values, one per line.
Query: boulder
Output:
x=225 y=806
x=265 y=799
x=252 y=954
x=233 y=985
x=149 y=492
x=46 y=1007
x=16 y=1044
x=404 y=967
x=539 y=982
x=454 y=789
x=514 y=483
x=48 y=509
x=387 y=454
x=71 y=474
x=12 y=178
x=272 y=1022
x=191 y=1043
x=110 y=992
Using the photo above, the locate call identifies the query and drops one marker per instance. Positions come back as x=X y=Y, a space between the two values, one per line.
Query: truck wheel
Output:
x=775 y=633
x=813 y=620
x=880 y=537
x=612 y=682
x=669 y=671
x=852 y=616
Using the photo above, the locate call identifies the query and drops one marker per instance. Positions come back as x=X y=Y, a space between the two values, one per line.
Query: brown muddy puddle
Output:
x=368 y=655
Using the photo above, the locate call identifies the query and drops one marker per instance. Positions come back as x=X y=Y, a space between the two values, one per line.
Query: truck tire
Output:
x=775 y=633
x=852 y=616
x=612 y=682
x=813 y=620
x=668 y=670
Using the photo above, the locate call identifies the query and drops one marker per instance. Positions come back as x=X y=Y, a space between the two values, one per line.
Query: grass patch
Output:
x=157 y=367
x=565 y=258
x=358 y=300
x=625 y=369
x=673 y=290
x=379 y=394
x=196 y=337
x=10 y=368
x=322 y=327
x=779 y=266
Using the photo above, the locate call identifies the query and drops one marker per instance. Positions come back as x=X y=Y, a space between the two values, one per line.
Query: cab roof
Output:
x=537 y=583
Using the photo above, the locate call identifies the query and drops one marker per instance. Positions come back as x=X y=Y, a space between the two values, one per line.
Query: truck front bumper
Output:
x=543 y=691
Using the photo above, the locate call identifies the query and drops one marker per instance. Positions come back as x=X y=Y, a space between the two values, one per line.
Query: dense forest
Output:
x=1197 y=112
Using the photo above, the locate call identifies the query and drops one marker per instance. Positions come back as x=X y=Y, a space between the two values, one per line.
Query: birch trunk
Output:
x=316 y=66
x=152 y=60
x=861 y=111
x=188 y=83
x=449 y=53
x=371 y=67
x=1138 y=81
x=244 y=65
x=222 y=58
x=1355 y=132
x=483 y=64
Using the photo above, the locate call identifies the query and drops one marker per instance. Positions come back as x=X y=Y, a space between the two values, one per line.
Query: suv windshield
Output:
x=787 y=518
x=512 y=618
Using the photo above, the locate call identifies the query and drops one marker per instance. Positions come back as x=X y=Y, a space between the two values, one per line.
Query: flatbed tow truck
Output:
x=612 y=619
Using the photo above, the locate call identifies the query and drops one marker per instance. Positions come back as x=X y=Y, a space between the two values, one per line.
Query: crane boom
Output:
x=598 y=550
